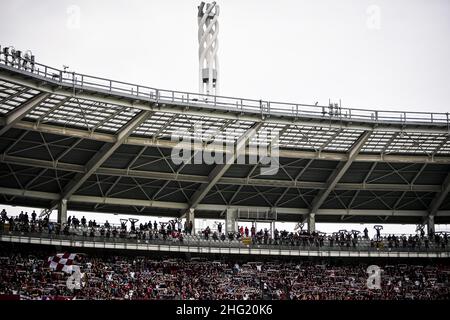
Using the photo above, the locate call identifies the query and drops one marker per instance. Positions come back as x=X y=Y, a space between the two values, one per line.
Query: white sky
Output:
x=286 y=50
x=391 y=54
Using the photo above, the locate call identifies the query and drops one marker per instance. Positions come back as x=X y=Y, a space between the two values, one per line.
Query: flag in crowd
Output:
x=62 y=262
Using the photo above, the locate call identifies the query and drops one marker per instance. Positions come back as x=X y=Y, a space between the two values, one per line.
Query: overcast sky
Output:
x=391 y=54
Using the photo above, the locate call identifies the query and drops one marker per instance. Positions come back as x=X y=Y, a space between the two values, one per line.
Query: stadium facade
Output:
x=70 y=141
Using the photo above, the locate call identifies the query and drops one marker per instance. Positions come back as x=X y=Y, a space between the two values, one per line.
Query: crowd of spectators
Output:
x=175 y=230
x=28 y=276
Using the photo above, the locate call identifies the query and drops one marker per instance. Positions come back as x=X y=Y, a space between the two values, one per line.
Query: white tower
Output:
x=208 y=28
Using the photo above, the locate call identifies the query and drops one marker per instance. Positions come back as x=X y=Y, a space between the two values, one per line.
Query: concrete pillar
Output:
x=430 y=225
x=231 y=225
x=312 y=222
x=190 y=217
x=272 y=229
x=62 y=211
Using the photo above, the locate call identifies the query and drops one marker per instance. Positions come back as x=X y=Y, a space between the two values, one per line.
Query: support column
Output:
x=312 y=222
x=430 y=225
x=190 y=216
x=62 y=211
x=272 y=229
x=231 y=225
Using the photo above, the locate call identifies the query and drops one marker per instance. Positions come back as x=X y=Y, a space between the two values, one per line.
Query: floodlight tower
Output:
x=208 y=29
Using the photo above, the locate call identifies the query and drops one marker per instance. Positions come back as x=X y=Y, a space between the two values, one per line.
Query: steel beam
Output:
x=283 y=153
x=129 y=202
x=101 y=156
x=46 y=164
x=440 y=197
x=198 y=109
x=29 y=193
x=53 y=109
x=21 y=111
x=212 y=207
x=219 y=170
x=337 y=174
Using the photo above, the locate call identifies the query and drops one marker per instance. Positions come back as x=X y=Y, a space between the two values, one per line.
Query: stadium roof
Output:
x=106 y=146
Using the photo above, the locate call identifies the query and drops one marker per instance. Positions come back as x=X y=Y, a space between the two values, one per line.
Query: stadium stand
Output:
x=76 y=142
x=71 y=141
x=25 y=275
x=174 y=232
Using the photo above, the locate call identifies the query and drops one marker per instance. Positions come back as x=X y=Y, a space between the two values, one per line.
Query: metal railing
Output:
x=260 y=107
x=363 y=246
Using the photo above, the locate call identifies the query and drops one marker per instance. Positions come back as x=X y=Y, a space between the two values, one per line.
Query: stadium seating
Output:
x=26 y=275
x=341 y=240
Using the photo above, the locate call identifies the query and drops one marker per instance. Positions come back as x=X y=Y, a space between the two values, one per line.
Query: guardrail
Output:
x=211 y=246
x=263 y=107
